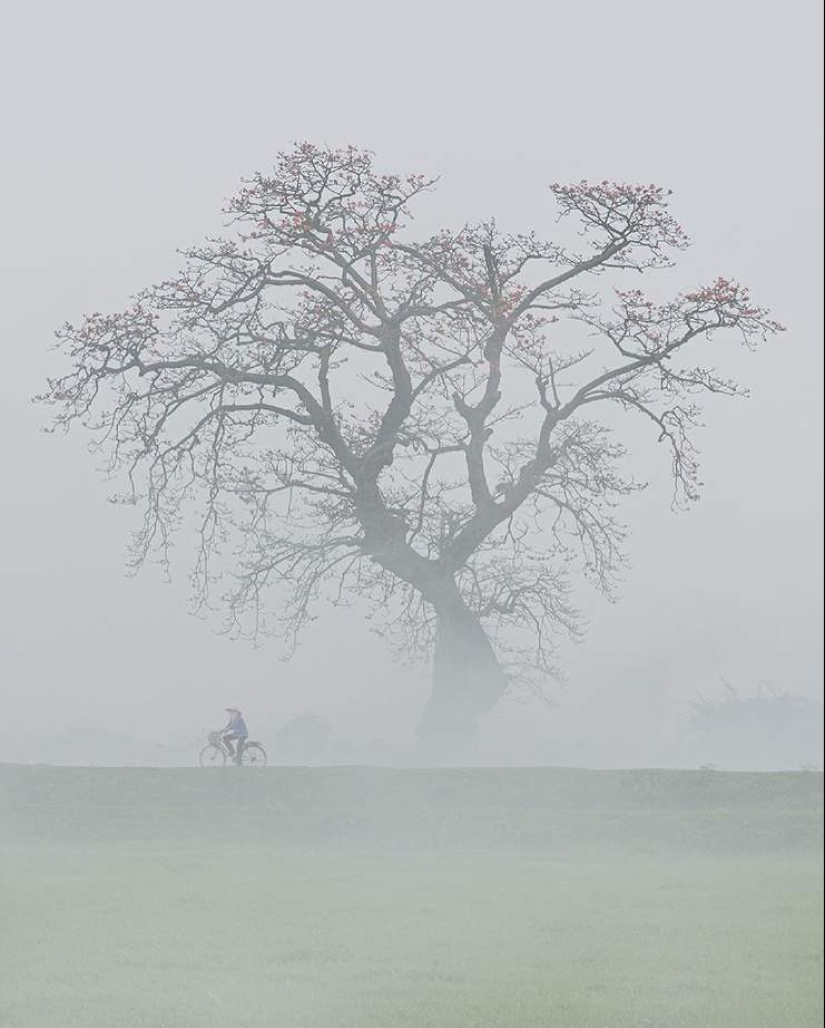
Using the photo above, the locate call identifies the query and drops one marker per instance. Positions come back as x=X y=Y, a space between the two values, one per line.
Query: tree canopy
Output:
x=349 y=410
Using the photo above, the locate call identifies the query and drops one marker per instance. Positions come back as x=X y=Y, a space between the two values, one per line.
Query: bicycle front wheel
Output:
x=253 y=755
x=212 y=756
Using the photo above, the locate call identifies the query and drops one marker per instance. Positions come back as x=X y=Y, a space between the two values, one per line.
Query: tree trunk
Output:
x=467 y=681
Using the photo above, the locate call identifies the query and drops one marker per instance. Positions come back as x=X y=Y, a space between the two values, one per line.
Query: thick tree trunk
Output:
x=467 y=681
x=467 y=676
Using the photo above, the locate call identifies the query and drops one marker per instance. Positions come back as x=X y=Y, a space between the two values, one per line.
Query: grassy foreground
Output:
x=422 y=899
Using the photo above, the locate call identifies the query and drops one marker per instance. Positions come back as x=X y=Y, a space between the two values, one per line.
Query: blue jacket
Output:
x=237 y=726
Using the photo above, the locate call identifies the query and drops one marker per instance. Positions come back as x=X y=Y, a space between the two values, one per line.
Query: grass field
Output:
x=421 y=899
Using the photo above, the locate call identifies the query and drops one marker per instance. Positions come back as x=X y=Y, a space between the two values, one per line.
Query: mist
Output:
x=123 y=149
x=125 y=131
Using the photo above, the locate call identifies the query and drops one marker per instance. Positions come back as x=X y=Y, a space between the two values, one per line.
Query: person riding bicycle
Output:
x=235 y=731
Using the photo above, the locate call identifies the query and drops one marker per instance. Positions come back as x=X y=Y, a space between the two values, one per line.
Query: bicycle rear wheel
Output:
x=212 y=756
x=253 y=755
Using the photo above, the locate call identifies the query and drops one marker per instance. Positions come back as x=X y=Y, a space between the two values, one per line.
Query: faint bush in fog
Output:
x=765 y=729
x=306 y=739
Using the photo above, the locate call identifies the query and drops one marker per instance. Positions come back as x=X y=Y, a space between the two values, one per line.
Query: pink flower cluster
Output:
x=610 y=193
x=636 y=214
x=732 y=302
x=721 y=293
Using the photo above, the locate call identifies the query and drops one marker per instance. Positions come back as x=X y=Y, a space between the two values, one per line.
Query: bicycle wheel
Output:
x=253 y=755
x=212 y=756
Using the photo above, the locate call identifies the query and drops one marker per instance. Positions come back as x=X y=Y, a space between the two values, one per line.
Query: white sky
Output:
x=124 y=128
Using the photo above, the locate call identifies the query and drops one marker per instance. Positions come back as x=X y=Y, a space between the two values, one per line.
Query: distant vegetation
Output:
x=764 y=729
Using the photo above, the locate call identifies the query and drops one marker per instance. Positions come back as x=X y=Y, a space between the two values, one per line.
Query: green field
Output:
x=355 y=898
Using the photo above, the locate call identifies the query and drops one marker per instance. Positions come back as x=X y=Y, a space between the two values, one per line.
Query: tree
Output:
x=764 y=730
x=415 y=422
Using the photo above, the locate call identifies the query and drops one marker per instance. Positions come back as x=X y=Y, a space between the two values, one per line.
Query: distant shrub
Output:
x=304 y=740
x=762 y=730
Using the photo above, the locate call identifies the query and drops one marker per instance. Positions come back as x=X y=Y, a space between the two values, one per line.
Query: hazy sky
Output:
x=124 y=127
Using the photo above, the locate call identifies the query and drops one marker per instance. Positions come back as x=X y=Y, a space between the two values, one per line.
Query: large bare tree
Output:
x=349 y=410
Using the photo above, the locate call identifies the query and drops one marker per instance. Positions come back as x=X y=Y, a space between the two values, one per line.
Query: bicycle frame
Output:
x=237 y=749
x=236 y=755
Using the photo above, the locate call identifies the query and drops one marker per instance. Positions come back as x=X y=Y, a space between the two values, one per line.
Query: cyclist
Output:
x=235 y=731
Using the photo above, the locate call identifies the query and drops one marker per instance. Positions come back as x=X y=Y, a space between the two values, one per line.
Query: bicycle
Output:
x=216 y=753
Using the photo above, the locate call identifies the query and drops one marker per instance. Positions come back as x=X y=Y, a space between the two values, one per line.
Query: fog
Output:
x=637 y=844
x=124 y=130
